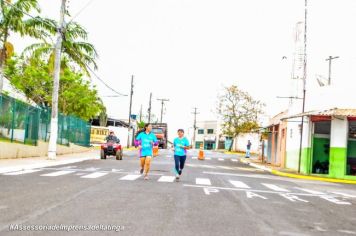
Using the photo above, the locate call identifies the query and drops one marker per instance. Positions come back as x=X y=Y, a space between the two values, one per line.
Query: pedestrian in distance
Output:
x=145 y=141
x=248 y=149
x=180 y=147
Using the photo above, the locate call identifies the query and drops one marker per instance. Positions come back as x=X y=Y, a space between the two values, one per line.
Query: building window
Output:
x=200 y=131
x=210 y=131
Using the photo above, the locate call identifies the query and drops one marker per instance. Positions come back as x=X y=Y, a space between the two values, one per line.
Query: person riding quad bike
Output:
x=112 y=147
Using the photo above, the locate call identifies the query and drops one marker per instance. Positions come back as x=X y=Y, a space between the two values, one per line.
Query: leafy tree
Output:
x=33 y=77
x=76 y=51
x=238 y=111
x=12 y=20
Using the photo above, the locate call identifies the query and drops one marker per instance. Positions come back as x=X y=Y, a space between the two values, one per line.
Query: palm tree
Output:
x=76 y=52
x=12 y=20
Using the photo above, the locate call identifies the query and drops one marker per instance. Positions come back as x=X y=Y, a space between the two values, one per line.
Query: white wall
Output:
x=339 y=133
x=121 y=133
x=241 y=141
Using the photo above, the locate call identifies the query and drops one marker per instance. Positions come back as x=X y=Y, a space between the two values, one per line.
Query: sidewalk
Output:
x=255 y=162
x=19 y=164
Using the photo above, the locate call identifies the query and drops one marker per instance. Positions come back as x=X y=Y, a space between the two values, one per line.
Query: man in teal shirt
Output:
x=180 y=147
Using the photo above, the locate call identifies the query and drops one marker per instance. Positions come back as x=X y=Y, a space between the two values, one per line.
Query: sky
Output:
x=188 y=50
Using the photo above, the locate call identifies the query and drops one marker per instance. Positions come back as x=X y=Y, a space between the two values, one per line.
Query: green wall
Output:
x=338 y=158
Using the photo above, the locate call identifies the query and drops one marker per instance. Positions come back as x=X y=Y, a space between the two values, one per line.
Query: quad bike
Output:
x=111 y=149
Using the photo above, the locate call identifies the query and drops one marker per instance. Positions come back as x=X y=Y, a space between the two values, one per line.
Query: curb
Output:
x=296 y=176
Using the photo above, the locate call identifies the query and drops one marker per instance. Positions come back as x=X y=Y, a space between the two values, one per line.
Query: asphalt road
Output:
x=217 y=196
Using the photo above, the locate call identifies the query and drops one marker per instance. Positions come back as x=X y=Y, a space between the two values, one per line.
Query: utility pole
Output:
x=304 y=83
x=149 y=109
x=330 y=59
x=131 y=93
x=141 y=113
x=162 y=104
x=52 y=147
x=195 y=124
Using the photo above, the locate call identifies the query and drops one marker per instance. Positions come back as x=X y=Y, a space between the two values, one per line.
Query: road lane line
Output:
x=167 y=179
x=225 y=167
x=59 y=173
x=275 y=187
x=94 y=175
x=202 y=181
x=130 y=177
x=309 y=191
x=239 y=184
x=22 y=172
x=344 y=194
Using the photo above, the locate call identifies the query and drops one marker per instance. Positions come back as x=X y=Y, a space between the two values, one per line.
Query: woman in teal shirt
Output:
x=180 y=147
x=146 y=140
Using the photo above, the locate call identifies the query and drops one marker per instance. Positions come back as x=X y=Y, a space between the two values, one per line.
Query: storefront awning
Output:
x=335 y=112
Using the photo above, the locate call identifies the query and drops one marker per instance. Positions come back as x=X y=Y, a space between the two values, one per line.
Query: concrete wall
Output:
x=241 y=141
x=14 y=150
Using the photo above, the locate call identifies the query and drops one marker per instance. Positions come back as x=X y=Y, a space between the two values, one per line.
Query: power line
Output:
x=81 y=10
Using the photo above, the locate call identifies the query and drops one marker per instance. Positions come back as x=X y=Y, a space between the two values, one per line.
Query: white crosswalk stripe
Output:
x=275 y=187
x=168 y=179
x=220 y=159
x=207 y=158
x=194 y=158
x=22 y=172
x=234 y=160
x=59 y=173
x=94 y=175
x=239 y=184
x=130 y=177
x=202 y=181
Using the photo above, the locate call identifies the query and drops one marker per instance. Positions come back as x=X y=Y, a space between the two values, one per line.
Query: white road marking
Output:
x=207 y=191
x=239 y=184
x=225 y=167
x=292 y=198
x=94 y=175
x=220 y=159
x=130 y=177
x=80 y=174
x=207 y=158
x=252 y=195
x=202 y=181
x=234 y=160
x=21 y=172
x=251 y=190
x=344 y=194
x=334 y=200
x=275 y=187
x=59 y=173
x=194 y=158
x=69 y=167
x=310 y=191
x=168 y=179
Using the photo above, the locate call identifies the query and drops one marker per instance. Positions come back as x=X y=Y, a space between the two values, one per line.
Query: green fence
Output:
x=23 y=123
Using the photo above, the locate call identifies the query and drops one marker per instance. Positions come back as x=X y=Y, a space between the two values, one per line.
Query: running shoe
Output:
x=141 y=171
